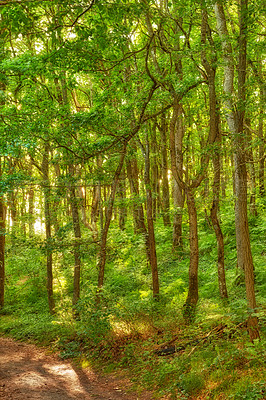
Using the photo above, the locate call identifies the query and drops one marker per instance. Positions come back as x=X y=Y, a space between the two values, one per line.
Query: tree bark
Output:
x=77 y=233
x=122 y=196
x=154 y=172
x=178 y=192
x=192 y=297
x=251 y=169
x=165 y=181
x=104 y=233
x=2 y=246
x=31 y=218
x=215 y=138
x=235 y=117
x=150 y=224
x=48 y=230
x=262 y=145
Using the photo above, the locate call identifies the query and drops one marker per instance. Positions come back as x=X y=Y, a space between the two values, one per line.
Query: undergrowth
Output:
x=210 y=359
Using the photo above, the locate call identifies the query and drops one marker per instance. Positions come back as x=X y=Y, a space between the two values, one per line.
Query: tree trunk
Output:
x=215 y=137
x=23 y=231
x=192 y=297
x=2 y=247
x=178 y=192
x=151 y=241
x=77 y=233
x=133 y=177
x=235 y=122
x=31 y=218
x=122 y=196
x=165 y=181
x=251 y=167
x=47 y=212
x=57 y=200
x=262 y=145
x=13 y=213
x=154 y=172
x=104 y=233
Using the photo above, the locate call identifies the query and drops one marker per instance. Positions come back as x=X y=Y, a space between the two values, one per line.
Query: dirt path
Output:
x=27 y=372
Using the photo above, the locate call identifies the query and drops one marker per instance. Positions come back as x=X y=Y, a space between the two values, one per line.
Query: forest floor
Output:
x=28 y=372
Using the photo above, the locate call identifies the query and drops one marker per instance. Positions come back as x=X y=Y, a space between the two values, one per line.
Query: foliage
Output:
x=79 y=85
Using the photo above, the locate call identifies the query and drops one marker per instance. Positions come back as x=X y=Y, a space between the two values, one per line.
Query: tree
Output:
x=2 y=245
x=215 y=134
x=235 y=118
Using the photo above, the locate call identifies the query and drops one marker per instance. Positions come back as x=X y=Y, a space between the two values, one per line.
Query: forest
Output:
x=132 y=189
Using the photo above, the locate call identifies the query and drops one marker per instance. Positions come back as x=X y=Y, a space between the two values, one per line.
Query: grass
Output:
x=124 y=332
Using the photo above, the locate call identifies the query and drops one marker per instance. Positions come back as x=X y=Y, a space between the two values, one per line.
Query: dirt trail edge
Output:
x=27 y=372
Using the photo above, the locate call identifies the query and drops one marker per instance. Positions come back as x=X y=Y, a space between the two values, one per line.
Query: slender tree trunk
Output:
x=2 y=247
x=13 y=213
x=178 y=192
x=154 y=171
x=31 y=218
x=22 y=214
x=104 y=233
x=150 y=224
x=262 y=145
x=138 y=212
x=165 y=181
x=133 y=177
x=48 y=230
x=251 y=168
x=96 y=210
x=122 y=196
x=215 y=137
x=55 y=205
x=77 y=233
x=96 y=207
x=192 y=297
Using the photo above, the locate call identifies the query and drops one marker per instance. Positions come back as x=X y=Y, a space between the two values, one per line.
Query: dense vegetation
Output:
x=132 y=189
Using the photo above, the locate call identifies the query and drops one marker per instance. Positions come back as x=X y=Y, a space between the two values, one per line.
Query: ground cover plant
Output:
x=211 y=358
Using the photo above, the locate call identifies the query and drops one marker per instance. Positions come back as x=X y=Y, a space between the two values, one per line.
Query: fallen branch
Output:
x=165 y=349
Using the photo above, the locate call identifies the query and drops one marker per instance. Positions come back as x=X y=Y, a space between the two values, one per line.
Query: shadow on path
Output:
x=26 y=372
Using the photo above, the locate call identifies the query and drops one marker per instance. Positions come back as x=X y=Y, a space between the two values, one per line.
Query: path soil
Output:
x=28 y=372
